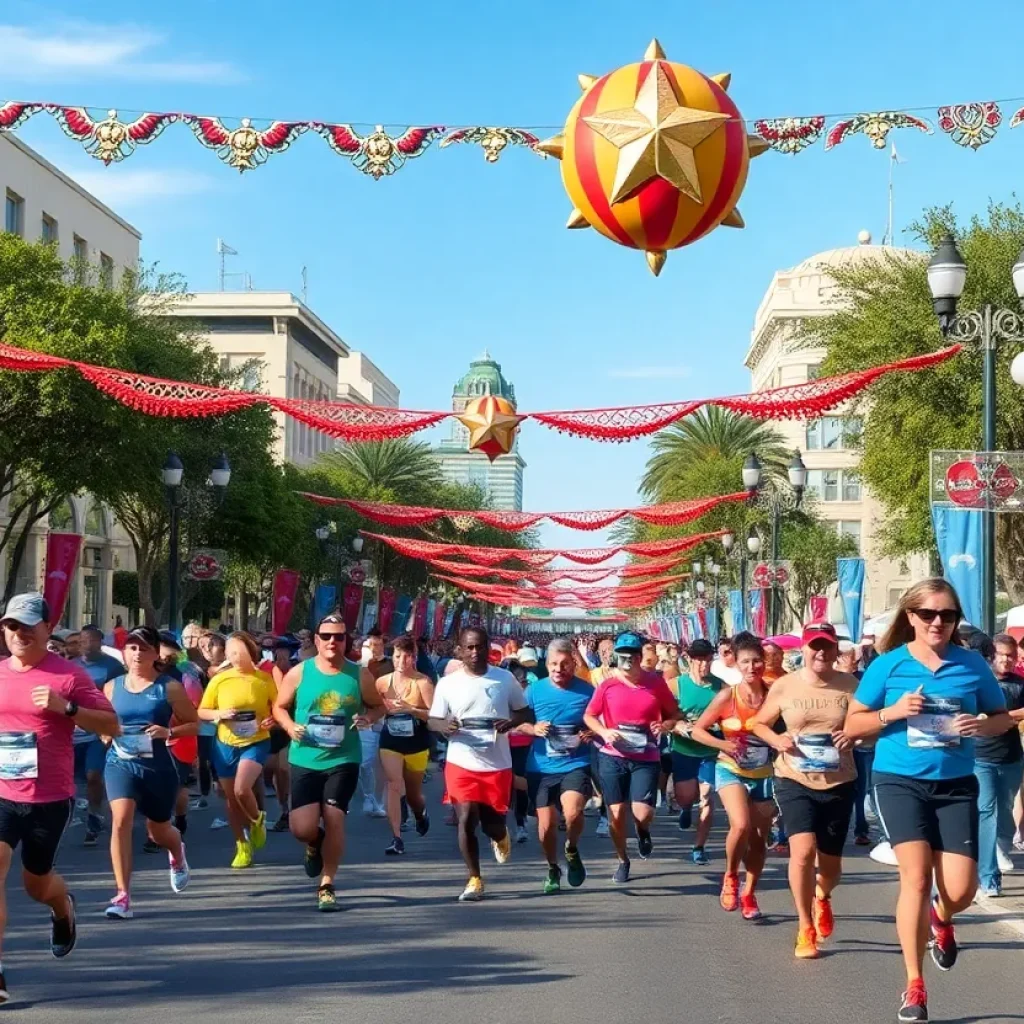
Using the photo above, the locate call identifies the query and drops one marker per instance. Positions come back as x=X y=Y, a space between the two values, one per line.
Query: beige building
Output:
x=43 y=203
x=775 y=359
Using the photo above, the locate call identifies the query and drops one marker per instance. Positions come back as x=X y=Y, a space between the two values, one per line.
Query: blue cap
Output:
x=27 y=609
x=629 y=642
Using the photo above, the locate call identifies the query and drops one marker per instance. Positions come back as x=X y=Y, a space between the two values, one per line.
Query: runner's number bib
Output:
x=753 y=754
x=19 y=756
x=244 y=724
x=133 y=742
x=478 y=732
x=400 y=725
x=816 y=752
x=325 y=731
x=635 y=738
x=934 y=726
x=562 y=740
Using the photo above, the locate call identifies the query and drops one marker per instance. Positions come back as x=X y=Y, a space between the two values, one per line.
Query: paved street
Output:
x=240 y=947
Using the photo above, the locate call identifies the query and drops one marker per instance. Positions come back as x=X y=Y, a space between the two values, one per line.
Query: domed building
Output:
x=778 y=357
x=501 y=480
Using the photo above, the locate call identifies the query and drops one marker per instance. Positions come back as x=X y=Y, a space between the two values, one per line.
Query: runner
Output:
x=742 y=774
x=558 y=766
x=42 y=699
x=475 y=708
x=239 y=699
x=630 y=711
x=606 y=654
x=140 y=770
x=774 y=663
x=814 y=778
x=724 y=666
x=276 y=769
x=378 y=665
x=321 y=703
x=928 y=698
x=520 y=741
x=693 y=764
x=405 y=740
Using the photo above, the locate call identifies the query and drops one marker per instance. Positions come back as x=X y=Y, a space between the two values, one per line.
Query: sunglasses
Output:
x=947 y=616
x=338 y=637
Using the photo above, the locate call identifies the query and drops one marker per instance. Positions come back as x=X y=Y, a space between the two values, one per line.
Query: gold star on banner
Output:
x=656 y=138
x=491 y=430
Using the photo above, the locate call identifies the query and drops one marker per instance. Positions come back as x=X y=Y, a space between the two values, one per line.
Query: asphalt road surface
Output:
x=244 y=947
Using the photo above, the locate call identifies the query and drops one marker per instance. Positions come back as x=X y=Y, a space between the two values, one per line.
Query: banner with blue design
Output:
x=695 y=631
x=324 y=601
x=713 y=615
x=850 y=573
x=737 y=612
x=403 y=614
x=958 y=538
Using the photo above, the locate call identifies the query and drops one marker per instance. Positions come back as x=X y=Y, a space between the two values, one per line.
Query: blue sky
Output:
x=425 y=269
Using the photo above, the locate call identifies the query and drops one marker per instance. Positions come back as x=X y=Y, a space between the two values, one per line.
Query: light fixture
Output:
x=357 y=544
x=947 y=275
x=754 y=542
x=697 y=568
x=322 y=533
x=1017 y=369
x=715 y=568
x=1018 y=276
x=752 y=473
x=727 y=542
x=797 y=473
x=700 y=586
x=172 y=470
x=220 y=474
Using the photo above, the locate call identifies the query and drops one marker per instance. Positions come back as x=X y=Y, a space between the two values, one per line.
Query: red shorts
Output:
x=467 y=787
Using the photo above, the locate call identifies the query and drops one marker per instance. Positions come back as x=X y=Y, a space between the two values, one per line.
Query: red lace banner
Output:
x=590 y=597
x=546 y=576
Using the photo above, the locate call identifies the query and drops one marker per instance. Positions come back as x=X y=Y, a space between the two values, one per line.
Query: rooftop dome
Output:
x=848 y=256
x=484 y=377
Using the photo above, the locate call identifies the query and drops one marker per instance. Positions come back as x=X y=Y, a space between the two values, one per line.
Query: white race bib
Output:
x=244 y=724
x=325 y=731
x=753 y=755
x=134 y=742
x=19 y=756
x=478 y=732
x=816 y=752
x=562 y=740
x=933 y=728
x=400 y=725
x=635 y=738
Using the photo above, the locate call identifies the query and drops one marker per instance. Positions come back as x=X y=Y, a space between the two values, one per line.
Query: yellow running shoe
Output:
x=502 y=848
x=474 y=891
x=807 y=944
x=258 y=832
x=243 y=854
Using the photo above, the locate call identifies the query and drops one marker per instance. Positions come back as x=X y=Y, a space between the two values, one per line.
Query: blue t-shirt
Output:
x=920 y=747
x=102 y=668
x=564 y=709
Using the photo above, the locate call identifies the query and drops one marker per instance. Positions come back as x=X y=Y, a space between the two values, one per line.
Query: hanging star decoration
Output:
x=491 y=422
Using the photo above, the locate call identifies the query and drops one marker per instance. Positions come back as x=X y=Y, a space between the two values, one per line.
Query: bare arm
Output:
x=712 y=713
x=766 y=718
x=285 y=700
x=375 y=709
x=184 y=711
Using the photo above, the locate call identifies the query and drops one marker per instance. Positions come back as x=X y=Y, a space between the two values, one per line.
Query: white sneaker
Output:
x=521 y=836
x=219 y=823
x=369 y=806
x=883 y=853
x=378 y=810
x=180 y=873
x=602 y=827
x=1004 y=861
x=120 y=908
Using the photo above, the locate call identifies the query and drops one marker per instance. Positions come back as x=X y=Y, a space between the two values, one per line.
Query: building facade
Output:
x=779 y=355
x=501 y=480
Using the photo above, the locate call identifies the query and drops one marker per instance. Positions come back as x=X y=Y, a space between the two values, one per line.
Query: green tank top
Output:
x=693 y=702
x=326 y=703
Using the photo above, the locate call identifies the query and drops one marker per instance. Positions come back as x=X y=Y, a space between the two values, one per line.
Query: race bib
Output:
x=816 y=752
x=244 y=724
x=133 y=742
x=753 y=754
x=400 y=725
x=635 y=738
x=478 y=732
x=19 y=756
x=325 y=731
x=562 y=740
x=933 y=728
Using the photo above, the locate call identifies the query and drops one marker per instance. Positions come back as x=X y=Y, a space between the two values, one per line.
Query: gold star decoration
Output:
x=491 y=429
x=656 y=138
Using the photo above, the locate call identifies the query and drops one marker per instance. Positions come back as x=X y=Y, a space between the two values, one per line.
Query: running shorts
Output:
x=334 y=787
x=279 y=740
x=153 y=790
x=760 y=790
x=468 y=787
x=184 y=770
x=624 y=781
x=824 y=812
x=547 y=790
x=38 y=827
x=519 y=757
x=940 y=812
x=686 y=768
x=417 y=762
x=90 y=757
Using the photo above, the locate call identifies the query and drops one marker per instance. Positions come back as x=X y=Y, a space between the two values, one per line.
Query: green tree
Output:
x=885 y=313
x=812 y=547
x=402 y=467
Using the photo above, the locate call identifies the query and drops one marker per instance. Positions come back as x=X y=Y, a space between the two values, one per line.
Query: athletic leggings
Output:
x=206 y=770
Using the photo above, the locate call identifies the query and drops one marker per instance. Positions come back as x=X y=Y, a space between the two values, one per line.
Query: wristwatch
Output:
x=71 y=710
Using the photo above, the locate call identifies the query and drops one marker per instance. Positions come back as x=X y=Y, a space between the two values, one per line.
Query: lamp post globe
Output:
x=947 y=275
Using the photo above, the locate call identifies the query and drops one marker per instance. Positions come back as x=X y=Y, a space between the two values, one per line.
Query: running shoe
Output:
x=93 y=823
x=180 y=873
x=824 y=921
x=943 y=944
x=553 y=882
x=602 y=827
x=258 y=832
x=63 y=931
x=219 y=823
x=474 y=891
x=313 y=860
x=90 y=838
x=914 y=1003
x=698 y=856
x=378 y=810
x=621 y=876
x=149 y=846
x=729 y=897
x=685 y=819
x=502 y=848
x=577 y=872
x=749 y=908
x=281 y=825
x=327 y=900
x=369 y=806
x=807 y=944
x=644 y=843
x=243 y=854
x=991 y=894
x=423 y=824
x=4 y=994
x=120 y=908
x=521 y=836
x=862 y=840
x=396 y=848
x=1003 y=861
x=199 y=804
x=883 y=854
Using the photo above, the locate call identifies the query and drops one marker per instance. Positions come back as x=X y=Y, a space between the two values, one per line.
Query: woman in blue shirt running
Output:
x=926 y=698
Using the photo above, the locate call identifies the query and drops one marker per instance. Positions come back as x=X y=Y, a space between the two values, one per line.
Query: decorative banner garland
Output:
x=673 y=513
x=548 y=576
x=589 y=597
x=158 y=397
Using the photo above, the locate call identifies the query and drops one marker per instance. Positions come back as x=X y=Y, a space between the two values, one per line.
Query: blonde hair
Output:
x=901 y=631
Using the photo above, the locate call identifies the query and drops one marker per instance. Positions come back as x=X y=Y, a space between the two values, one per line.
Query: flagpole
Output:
x=892 y=164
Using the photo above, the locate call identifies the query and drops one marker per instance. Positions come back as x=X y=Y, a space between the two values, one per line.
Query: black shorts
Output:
x=38 y=827
x=546 y=790
x=665 y=762
x=940 y=812
x=184 y=770
x=823 y=812
x=334 y=787
x=519 y=756
x=279 y=740
x=624 y=781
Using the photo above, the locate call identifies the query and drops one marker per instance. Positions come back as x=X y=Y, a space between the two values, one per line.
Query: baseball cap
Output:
x=527 y=657
x=629 y=642
x=27 y=610
x=146 y=635
x=819 y=631
x=700 y=649
x=168 y=639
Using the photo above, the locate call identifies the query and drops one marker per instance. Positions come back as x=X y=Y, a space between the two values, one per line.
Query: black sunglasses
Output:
x=947 y=616
x=332 y=636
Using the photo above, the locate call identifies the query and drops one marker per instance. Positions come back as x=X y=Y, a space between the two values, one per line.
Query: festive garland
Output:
x=589 y=597
x=486 y=573
x=168 y=398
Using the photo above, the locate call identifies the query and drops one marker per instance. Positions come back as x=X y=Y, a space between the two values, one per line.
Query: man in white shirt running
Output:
x=475 y=707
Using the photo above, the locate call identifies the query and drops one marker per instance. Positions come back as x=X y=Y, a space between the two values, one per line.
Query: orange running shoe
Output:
x=824 y=922
x=749 y=908
x=730 y=892
x=807 y=944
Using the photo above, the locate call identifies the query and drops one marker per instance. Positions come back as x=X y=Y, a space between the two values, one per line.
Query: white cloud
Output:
x=650 y=372
x=74 y=51
x=122 y=188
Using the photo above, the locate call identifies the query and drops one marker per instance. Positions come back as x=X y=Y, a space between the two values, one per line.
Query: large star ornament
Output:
x=491 y=429
x=656 y=137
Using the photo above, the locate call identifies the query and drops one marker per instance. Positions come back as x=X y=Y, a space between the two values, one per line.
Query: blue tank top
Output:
x=135 y=711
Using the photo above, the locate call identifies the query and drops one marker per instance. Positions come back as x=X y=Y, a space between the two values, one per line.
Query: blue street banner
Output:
x=449 y=622
x=850 y=573
x=958 y=538
x=713 y=633
x=403 y=614
x=737 y=612
x=695 y=631
x=431 y=605
x=324 y=600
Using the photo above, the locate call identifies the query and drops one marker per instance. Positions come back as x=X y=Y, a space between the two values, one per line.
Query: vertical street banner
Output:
x=62 y=553
x=351 y=599
x=286 y=586
x=449 y=622
x=851 y=590
x=758 y=611
x=819 y=608
x=369 y=616
x=419 y=617
x=429 y=628
x=737 y=613
x=712 y=624
x=387 y=609
x=324 y=600
x=958 y=538
x=403 y=611
x=440 y=615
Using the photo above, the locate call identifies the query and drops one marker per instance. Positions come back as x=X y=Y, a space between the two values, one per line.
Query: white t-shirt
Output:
x=477 y=701
x=729 y=676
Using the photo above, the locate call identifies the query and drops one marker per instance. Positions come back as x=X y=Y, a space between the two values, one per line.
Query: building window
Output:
x=850 y=528
x=50 y=236
x=80 y=259
x=106 y=271
x=851 y=485
x=834 y=433
x=823 y=484
x=814 y=371
x=14 y=214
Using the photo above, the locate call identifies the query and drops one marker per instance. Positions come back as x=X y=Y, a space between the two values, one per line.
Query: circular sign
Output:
x=762 y=575
x=203 y=566
x=782 y=575
x=357 y=574
x=964 y=484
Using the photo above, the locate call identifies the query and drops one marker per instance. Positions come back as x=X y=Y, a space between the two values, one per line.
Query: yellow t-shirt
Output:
x=251 y=694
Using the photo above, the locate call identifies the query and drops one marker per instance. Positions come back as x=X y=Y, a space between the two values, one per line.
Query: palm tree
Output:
x=405 y=468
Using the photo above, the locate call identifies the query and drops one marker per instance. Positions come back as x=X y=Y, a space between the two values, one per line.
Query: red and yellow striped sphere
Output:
x=657 y=216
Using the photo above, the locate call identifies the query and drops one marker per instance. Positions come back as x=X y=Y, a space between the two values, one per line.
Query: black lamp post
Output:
x=947 y=275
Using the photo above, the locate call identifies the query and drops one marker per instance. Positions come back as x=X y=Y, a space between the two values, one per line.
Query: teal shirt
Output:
x=324 y=703
x=694 y=699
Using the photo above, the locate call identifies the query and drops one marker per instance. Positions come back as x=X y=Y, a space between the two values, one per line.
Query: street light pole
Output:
x=172 y=472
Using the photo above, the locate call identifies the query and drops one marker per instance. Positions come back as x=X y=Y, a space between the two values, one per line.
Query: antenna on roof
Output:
x=224 y=251
x=305 y=286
